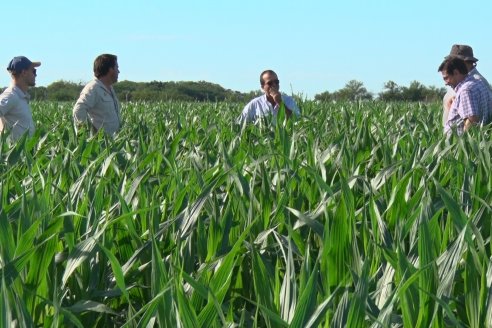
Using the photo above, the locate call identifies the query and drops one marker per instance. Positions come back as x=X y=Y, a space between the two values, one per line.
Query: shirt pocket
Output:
x=106 y=98
x=107 y=105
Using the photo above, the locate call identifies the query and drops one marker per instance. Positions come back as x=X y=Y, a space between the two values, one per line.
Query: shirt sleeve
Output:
x=290 y=103
x=6 y=104
x=468 y=105
x=248 y=113
x=86 y=101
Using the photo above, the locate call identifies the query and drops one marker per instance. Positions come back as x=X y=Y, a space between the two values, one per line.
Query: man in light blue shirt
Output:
x=15 y=113
x=271 y=102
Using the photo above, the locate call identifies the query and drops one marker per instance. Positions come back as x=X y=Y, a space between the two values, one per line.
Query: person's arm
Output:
x=86 y=101
x=6 y=104
x=290 y=106
x=470 y=121
x=468 y=109
x=248 y=113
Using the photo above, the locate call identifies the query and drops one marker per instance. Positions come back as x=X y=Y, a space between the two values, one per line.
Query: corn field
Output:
x=353 y=215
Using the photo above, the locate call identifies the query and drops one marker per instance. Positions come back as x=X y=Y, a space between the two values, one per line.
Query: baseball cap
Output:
x=20 y=63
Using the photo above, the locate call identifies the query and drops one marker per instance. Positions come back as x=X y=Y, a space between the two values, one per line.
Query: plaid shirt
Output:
x=473 y=98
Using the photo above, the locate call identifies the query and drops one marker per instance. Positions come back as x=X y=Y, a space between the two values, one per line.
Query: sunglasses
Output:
x=34 y=70
x=272 y=82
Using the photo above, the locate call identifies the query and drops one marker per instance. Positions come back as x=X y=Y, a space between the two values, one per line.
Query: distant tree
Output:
x=324 y=96
x=415 y=92
x=63 y=91
x=434 y=93
x=353 y=91
x=125 y=89
x=391 y=92
x=183 y=90
x=38 y=93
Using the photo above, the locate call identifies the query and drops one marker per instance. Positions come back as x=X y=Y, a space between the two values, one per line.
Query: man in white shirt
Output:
x=98 y=105
x=15 y=113
x=271 y=102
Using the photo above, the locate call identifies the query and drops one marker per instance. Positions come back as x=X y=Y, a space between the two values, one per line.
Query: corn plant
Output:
x=353 y=215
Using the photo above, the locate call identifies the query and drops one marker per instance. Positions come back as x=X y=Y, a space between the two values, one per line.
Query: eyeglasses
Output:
x=34 y=71
x=272 y=82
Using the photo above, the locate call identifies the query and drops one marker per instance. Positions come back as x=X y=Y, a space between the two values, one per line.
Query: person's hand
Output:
x=275 y=94
x=450 y=102
x=470 y=121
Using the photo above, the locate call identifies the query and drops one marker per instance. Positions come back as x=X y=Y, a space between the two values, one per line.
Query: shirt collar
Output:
x=19 y=92
x=473 y=71
x=102 y=85
x=466 y=79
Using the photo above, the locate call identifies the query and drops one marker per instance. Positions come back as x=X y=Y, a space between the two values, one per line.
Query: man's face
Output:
x=29 y=76
x=115 y=71
x=270 y=83
x=452 y=79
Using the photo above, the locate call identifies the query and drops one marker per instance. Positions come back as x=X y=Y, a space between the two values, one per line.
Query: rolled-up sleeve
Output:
x=6 y=104
x=290 y=103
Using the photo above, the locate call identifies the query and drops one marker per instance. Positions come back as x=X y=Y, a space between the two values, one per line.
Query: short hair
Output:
x=16 y=74
x=269 y=71
x=450 y=64
x=103 y=63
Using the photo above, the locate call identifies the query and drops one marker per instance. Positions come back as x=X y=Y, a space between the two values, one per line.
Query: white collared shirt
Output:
x=260 y=107
x=15 y=113
x=99 y=106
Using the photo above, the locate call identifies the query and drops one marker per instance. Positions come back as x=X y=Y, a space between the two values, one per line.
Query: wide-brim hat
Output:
x=20 y=63
x=463 y=52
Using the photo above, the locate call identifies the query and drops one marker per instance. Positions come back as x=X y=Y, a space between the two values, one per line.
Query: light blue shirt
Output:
x=15 y=113
x=261 y=107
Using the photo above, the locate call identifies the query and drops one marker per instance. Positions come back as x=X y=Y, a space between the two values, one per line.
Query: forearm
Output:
x=469 y=122
x=80 y=116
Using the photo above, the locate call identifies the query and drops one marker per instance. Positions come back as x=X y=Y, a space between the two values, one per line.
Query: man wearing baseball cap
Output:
x=464 y=52
x=15 y=113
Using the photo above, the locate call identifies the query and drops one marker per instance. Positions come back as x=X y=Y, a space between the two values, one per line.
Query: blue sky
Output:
x=314 y=46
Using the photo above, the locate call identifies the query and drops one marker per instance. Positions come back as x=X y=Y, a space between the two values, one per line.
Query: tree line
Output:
x=205 y=91
x=354 y=90
x=144 y=91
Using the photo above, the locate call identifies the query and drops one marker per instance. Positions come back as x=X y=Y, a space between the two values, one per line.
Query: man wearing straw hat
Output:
x=464 y=52
x=15 y=113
